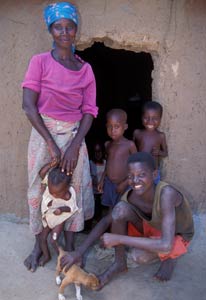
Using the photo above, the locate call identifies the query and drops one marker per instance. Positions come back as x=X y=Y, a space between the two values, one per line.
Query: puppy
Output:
x=74 y=275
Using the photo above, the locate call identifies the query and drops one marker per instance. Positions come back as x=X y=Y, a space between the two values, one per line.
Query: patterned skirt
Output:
x=38 y=155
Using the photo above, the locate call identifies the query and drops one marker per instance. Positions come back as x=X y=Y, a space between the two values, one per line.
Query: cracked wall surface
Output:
x=174 y=32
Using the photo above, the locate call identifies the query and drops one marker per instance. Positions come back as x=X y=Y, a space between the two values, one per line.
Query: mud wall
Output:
x=174 y=32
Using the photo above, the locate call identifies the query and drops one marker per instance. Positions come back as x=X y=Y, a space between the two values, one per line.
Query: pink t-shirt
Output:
x=64 y=94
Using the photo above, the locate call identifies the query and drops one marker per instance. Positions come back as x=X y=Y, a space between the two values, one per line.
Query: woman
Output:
x=59 y=99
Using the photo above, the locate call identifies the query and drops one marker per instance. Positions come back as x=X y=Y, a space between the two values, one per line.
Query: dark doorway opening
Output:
x=123 y=81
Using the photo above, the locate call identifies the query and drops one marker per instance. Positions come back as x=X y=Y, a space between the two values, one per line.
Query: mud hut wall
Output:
x=172 y=31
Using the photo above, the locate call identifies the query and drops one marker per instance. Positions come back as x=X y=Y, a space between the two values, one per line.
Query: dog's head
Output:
x=92 y=282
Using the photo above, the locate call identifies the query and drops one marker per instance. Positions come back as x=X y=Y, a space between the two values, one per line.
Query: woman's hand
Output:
x=54 y=152
x=70 y=158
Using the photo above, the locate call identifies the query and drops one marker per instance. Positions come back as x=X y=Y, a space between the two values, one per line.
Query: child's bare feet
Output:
x=114 y=269
x=43 y=260
x=32 y=261
x=165 y=270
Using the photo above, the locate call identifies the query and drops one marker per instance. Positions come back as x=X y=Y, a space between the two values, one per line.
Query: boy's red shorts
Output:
x=179 y=247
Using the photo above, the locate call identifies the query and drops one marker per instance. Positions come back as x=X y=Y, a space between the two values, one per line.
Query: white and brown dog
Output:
x=74 y=275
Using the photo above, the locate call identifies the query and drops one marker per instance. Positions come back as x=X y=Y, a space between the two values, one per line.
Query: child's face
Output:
x=59 y=191
x=115 y=127
x=98 y=154
x=140 y=177
x=151 y=119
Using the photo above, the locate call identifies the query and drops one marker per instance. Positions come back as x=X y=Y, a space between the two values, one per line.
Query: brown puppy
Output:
x=74 y=275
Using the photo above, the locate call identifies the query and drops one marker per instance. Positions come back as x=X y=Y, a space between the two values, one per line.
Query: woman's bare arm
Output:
x=29 y=105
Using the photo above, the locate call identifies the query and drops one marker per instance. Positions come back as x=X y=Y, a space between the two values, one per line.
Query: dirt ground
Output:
x=188 y=282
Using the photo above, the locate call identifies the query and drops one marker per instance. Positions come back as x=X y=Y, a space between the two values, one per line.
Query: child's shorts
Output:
x=179 y=248
x=110 y=197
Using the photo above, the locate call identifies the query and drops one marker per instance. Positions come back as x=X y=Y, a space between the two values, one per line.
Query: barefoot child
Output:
x=58 y=205
x=118 y=149
x=97 y=167
x=150 y=139
x=160 y=221
x=114 y=178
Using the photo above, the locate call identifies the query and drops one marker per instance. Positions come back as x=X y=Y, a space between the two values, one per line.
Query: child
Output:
x=97 y=167
x=150 y=139
x=160 y=221
x=58 y=204
x=114 y=179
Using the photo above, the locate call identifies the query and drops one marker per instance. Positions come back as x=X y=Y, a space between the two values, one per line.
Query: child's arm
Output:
x=136 y=134
x=62 y=209
x=162 y=151
x=121 y=187
x=45 y=169
x=133 y=148
x=93 y=173
x=101 y=182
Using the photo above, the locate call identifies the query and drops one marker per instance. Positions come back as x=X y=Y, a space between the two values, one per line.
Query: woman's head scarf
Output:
x=56 y=11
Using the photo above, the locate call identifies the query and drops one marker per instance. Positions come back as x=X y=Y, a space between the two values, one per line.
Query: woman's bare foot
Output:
x=32 y=261
x=43 y=260
x=114 y=269
x=166 y=269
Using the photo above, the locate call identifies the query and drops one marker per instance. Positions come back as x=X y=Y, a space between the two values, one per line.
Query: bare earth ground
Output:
x=188 y=282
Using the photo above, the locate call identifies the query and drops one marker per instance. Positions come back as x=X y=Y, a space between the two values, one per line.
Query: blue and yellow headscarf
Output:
x=56 y=11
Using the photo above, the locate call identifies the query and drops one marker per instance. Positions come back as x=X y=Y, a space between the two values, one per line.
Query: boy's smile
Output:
x=140 y=177
x=151 y=119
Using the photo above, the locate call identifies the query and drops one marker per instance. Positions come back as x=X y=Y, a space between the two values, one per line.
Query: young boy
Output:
x=161 y=224
x=114 y=179
x=150 y=139
x=58 y=205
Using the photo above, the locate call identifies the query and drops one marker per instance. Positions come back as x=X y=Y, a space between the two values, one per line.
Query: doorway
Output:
x=124 y=80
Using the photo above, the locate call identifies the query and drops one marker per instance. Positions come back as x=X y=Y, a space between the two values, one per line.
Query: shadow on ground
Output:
x=17 y=283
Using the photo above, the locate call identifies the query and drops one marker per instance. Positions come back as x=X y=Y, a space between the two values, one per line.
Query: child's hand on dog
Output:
x=69 y=259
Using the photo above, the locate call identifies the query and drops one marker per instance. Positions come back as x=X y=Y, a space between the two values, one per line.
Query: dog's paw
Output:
x=58 y=280
x=61 y=297
x=79 y=297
